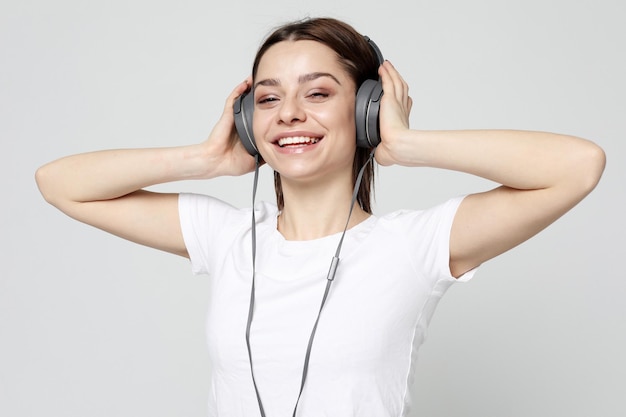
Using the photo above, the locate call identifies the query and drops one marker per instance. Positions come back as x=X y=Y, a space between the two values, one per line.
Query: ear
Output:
x=243 y=109
x=367 y=109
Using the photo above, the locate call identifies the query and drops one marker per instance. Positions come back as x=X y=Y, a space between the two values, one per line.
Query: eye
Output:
x=266 y=100
x=318 y=95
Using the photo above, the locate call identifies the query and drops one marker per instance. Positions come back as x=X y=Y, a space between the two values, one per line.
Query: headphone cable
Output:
x=329 y=279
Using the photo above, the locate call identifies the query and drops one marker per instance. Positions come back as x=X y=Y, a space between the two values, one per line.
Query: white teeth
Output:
x=297 y=140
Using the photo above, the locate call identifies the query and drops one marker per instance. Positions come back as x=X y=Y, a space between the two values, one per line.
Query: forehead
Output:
x=297 y=57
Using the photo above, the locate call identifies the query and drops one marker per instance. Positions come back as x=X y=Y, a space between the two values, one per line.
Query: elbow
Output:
x=589 y=165
x=44 y=183
x=596 y=158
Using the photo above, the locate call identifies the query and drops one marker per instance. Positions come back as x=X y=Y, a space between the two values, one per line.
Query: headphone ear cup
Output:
x=243 y=109
x=367 y=108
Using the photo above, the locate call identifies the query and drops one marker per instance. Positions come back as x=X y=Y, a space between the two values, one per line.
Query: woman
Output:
x=274 y=322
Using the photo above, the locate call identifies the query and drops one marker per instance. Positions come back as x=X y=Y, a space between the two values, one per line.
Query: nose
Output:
x=291 y=111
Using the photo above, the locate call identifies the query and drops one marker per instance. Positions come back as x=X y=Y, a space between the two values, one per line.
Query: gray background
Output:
x=91 y=325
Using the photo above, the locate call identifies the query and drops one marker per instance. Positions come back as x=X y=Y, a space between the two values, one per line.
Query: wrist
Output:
x=405 y=149
x=198 y=162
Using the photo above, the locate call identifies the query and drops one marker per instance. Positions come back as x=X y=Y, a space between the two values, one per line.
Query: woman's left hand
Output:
x=394 y=115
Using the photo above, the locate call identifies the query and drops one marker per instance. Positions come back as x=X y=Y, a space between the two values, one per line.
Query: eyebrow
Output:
x=273 y=82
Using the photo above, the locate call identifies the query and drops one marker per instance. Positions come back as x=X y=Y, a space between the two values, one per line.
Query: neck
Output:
x=312 y=211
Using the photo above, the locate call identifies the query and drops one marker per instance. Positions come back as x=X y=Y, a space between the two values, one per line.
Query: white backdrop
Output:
x=91 y=325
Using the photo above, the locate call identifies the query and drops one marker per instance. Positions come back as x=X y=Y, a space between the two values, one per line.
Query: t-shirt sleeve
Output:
x=433 y=228
x=450 y=210
x=204 y=221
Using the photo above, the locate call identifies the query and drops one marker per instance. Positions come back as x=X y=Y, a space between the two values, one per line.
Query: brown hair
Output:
x=359 y=61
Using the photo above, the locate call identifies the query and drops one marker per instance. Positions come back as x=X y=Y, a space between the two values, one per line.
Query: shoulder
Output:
x=202 y=209
x=211 y=227
x=423 y=236
x=435 y=217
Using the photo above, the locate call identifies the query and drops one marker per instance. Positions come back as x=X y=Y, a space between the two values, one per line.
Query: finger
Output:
x=240 y=89
x=397 y=84
x=225 y=127
x=400 y=89
x=386 y=80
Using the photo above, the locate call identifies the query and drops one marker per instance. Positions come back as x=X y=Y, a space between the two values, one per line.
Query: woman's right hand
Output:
x=226 y=153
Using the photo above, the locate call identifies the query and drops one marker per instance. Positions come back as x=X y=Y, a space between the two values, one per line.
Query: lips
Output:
x=297 y=141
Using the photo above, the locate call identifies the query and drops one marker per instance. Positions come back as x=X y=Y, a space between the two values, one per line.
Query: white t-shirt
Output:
x=392 y=273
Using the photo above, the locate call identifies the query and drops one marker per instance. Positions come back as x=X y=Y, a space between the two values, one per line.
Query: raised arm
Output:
x=543 y=175
x=105 y=188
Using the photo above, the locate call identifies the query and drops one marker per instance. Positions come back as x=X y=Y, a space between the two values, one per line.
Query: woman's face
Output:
x=304 y=111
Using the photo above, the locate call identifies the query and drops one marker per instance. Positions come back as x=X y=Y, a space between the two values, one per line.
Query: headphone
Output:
x=367 y=107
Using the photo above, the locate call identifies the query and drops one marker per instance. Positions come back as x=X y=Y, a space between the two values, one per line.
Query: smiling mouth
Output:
x=297 y=141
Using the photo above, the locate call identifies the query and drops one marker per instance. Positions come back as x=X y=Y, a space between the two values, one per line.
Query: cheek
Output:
x=345 y=126
x=340 y=118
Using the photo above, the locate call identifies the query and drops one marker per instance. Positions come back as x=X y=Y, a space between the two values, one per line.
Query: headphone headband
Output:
x=376 y=49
